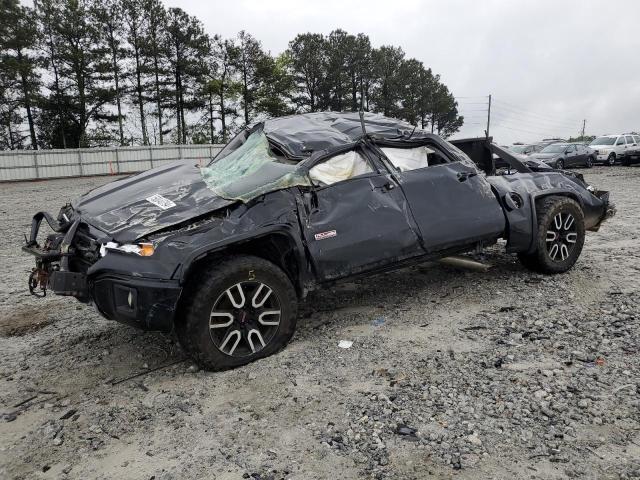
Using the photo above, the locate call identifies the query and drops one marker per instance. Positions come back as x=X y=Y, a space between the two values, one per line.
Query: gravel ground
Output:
x=452 y=374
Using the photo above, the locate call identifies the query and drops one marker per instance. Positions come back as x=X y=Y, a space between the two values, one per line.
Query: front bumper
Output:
x=143 y=303
x=133 y=299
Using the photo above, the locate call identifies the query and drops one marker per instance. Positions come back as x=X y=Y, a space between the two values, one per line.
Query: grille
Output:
x=85 y=248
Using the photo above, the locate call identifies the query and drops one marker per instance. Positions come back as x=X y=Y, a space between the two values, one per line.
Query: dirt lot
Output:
x=452 y=374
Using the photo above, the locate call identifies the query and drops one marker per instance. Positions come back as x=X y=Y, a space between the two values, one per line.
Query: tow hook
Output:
x=38 y=279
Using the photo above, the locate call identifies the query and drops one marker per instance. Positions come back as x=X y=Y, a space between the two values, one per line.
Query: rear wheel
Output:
x=611 y=159
x=560 y=236
x=237 y=311
x=589 y=163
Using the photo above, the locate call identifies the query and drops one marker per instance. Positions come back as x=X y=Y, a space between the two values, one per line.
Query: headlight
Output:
x=142 y=249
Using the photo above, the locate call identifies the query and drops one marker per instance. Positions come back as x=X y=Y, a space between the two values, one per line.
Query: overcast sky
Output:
x=548 y=64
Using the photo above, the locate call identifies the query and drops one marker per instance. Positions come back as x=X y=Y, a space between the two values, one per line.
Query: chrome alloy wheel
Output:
x=562 y=235
x=244 y=318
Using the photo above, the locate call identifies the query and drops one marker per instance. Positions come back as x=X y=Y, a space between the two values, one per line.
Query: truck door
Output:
x=356 y=218
x=452 y=202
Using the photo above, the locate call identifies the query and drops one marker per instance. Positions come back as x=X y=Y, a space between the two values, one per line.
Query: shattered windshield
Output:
x=249 y=170
x=235 y=143
x=241 y=160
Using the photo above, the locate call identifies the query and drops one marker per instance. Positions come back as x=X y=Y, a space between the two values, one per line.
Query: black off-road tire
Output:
x=547 y=210
x=208 y=285
x=611 y=159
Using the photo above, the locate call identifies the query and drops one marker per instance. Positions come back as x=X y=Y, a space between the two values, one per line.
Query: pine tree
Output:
x=187 y=44
x=155 y=54
x=220 y=87
x=274 y=96
x=81 y=71
x=54 y=123
x=247 y=56
x=386 y=92
x=108 y=19
x=17 y=44
x=307 y=54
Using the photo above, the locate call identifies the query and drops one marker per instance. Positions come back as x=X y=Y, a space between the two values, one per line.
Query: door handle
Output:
x=383 y=183
x=464 y=176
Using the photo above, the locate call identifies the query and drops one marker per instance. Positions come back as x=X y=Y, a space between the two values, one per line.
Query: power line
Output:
x=522 y=111
x=517 y=106
x=513 y=117
x=526 y=117
x=524 y=130
x=535 y=124
x=546 y=123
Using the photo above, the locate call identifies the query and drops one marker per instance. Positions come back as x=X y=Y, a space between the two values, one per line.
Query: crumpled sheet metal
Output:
x=300 y=135
x=121 y=209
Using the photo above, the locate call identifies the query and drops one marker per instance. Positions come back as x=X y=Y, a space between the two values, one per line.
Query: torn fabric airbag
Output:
x=341 y=167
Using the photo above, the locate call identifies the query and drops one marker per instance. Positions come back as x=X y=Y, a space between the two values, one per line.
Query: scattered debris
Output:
x=345 y=343
x=68 y=414
x=406 y=430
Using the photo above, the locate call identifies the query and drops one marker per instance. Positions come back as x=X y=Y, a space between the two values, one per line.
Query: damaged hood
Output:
x=135 y=206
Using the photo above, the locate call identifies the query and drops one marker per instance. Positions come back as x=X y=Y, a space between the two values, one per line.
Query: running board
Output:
x=465 y=262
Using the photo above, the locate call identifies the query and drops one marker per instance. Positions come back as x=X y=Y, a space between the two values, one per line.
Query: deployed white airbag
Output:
x=339 y=168
x=405 y=159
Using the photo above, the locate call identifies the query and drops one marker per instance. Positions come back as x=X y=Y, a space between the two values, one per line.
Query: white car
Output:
x=610 y=148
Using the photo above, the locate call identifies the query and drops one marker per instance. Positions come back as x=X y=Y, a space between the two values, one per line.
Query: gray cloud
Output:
x=548 y=64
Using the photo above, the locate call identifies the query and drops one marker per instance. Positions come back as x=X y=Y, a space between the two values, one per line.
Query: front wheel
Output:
x=611 y=159
x=560 y=164
x=560 y=236
x=237 y=311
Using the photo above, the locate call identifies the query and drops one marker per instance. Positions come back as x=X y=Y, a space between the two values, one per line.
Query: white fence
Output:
x=40 y=164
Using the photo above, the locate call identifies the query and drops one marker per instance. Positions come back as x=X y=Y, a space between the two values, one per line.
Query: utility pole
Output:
x=488 y=117
x=584 y=123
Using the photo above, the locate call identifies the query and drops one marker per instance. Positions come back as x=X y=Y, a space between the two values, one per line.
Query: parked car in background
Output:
x=526 y=149
x=562 y=155
x=633 y=152
x=548 y=141
x=586 y=151
x=612 y=148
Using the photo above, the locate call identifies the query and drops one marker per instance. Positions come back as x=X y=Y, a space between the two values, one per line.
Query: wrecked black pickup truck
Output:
x=222 y=253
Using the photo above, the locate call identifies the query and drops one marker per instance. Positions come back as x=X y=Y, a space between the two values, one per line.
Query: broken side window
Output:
x=339 y=168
